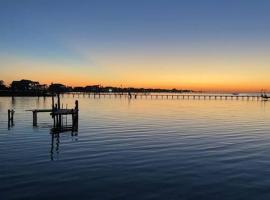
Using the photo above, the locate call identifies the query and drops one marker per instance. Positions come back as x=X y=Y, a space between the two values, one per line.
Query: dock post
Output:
x=52 y=101
x=58 y=101
x=59 y=107
x=75 y=117
x=8 y=118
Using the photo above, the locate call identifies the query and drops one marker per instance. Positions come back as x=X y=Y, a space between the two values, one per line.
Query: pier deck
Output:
x=57 y=114
x=169 y=96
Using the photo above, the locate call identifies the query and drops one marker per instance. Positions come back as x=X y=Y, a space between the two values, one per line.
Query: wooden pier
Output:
x=57 y=114
x=170 y=96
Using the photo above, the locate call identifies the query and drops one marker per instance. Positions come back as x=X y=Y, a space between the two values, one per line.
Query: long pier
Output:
x=170 y=96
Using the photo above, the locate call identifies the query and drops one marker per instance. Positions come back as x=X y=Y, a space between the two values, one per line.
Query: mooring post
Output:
x=58 y=101
x=77 y=106
x=75 y=117
x=8 y=118
x=59 y=107
x=52 y=101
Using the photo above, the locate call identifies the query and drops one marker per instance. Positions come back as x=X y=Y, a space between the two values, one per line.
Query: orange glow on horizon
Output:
x=205 y=87
x=150 y=73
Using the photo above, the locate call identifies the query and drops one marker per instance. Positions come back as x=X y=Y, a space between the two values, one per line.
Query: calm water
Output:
x=138 y=149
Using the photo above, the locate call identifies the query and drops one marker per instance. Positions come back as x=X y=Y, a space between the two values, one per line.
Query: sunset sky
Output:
x=217 y=45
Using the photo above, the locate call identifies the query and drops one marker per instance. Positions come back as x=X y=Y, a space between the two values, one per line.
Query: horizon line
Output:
x=192 y=89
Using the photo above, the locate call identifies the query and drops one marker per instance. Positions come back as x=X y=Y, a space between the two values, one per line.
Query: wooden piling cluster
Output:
x=57 y=114
x=11 y=117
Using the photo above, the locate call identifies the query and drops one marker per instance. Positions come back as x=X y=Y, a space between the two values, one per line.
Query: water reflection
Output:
x=55 y=143
x=13 y=102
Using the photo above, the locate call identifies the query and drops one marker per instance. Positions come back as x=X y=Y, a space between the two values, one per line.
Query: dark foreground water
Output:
x=138 y=149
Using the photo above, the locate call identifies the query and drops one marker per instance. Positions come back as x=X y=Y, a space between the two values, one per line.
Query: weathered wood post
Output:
x=52 y=102
x=75 y=117
x=53 y=109
x=58 y=101
x=59 y=107
x=8 y=118
x=77 y=113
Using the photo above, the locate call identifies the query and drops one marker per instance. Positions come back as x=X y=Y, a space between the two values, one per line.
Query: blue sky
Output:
x=95 y=36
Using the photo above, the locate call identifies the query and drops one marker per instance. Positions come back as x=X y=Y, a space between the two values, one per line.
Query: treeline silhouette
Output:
x=34 y=88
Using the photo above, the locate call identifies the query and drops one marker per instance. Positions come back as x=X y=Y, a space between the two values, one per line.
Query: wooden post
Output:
x=75 y=117
x=52 y=101
x=58 y=101
x=59 y=107
x=8 y=118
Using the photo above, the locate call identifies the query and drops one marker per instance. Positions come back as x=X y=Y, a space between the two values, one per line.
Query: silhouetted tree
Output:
x=25 y=85
x=2 y=85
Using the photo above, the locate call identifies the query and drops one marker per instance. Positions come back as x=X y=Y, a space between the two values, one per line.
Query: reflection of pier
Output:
x=57 y=114
x=55 y=143
x=170 y=96
x=10 y=118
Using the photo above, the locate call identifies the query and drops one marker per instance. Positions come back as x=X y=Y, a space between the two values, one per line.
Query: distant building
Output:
x=78 y=89
x=57 y=87
x=92 y=88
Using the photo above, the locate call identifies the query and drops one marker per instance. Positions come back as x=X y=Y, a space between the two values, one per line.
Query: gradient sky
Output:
x=195 y=44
